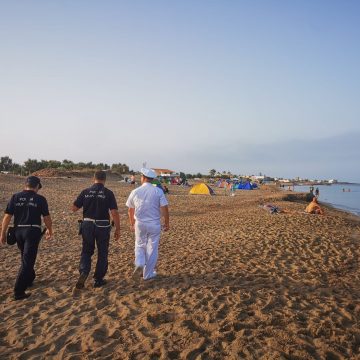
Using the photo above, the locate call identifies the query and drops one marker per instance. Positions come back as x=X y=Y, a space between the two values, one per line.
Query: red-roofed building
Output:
x=165 y=172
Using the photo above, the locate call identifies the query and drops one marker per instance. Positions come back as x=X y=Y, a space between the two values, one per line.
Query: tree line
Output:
x=32 y=165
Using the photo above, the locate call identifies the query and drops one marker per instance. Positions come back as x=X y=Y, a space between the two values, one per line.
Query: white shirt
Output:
x=147 y=200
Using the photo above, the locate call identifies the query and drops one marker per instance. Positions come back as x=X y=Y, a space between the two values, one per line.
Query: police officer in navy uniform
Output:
x=27 y=207
x=96 y=201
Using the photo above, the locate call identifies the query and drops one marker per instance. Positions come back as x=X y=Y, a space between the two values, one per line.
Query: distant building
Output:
x=332 y=181
x=258 y=177
x=165 y=172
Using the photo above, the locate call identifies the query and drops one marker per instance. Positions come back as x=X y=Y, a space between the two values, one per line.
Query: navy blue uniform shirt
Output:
x=27 y=207
x=96 y=202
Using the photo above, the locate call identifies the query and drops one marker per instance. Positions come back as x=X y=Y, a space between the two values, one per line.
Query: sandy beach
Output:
x=235 y=282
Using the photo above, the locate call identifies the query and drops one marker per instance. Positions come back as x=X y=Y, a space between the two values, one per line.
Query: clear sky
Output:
x=246 y=86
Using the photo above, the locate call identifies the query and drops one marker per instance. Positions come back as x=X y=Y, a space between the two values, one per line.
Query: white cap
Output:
x=149 y=173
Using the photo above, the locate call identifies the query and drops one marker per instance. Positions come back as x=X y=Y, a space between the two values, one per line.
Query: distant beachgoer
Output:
x=311 y=189
x=27 y=207
x=132 y=180
x=272 y=209
x=314 y=207
x=309 y=196
x=232 y=189
x=225 y=189
x=317 y=192
x=166 y=189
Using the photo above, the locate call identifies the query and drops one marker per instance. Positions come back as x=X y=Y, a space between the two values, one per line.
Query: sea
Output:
x=341 y=196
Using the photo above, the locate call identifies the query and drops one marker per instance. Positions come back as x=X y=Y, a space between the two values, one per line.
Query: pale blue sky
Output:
x=246 y=86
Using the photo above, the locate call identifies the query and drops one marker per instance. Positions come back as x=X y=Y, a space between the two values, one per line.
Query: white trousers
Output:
x=147 y=238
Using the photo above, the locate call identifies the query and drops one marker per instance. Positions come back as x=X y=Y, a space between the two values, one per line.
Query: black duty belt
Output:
x=36 y=226
x=96 y=222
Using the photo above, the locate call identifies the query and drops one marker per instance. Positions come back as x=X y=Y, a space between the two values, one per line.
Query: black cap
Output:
x=33 y=181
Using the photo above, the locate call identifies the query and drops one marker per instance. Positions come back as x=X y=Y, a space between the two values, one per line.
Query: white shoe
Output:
x=153 y=276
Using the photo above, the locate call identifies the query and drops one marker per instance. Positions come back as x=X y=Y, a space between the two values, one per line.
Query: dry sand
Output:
x=235 y=283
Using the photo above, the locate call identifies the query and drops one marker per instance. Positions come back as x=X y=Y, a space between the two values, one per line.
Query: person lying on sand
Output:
x=314 y=207
x=273 y=209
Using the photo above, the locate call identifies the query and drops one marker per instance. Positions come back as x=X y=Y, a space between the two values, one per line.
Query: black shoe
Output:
x=21 y=296
x=81 y=281
x=138 y=272
x=99 y=283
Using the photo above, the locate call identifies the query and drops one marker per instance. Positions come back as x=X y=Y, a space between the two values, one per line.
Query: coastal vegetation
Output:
x=32 y=165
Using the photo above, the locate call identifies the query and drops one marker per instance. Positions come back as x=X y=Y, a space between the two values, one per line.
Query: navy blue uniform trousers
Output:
x=92 y=234
x=28 y=240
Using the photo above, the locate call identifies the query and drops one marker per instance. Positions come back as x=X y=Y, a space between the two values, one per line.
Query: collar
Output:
x=97 y=185
x=28 y=190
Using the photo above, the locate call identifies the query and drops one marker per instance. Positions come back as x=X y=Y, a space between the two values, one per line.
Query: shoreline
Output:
x=332 y=206
x=353 y=211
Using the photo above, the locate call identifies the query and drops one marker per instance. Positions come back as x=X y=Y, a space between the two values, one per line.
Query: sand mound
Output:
x=50 y=172
x=85 y=173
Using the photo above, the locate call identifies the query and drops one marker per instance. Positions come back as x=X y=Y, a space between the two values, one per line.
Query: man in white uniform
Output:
x=146 y=205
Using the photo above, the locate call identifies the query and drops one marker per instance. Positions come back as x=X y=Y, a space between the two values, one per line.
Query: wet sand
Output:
x=235 y=282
